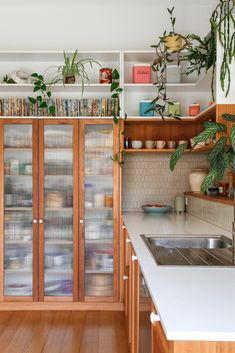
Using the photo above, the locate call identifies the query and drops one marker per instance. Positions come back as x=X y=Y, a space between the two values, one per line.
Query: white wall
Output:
x=129 y=26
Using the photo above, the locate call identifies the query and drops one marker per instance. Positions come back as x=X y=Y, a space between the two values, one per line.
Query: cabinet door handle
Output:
x=128 y=240
x=154 y=318
x=81 y=221
x=40 y=221
x=35 y=221
x=125 y=278
x=134 y=258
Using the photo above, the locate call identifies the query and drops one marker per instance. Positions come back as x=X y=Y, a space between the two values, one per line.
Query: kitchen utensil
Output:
x=136 y=144
x=179 y=204
x=150 y=144
x=160 y=144
x=171 y=144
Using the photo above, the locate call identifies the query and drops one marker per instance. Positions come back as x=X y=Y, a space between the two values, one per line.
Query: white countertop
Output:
x=194 y=303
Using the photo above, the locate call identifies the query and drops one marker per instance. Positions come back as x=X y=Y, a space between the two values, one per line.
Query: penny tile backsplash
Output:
x=147 y=178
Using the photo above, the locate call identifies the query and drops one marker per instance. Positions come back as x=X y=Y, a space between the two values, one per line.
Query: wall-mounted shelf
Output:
x=220 y=199
x=59 y=87
x=167 y=150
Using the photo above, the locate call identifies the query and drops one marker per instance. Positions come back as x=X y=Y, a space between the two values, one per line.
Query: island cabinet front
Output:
x=59 y=211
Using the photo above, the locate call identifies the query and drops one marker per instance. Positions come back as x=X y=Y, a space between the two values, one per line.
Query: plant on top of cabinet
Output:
x=222 y=155
x=43 y=94
x=72 y=69
x=168 y=49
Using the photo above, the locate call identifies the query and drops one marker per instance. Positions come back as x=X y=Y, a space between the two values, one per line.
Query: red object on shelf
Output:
x=105 y=75
x=194 y=109
x=141 y=73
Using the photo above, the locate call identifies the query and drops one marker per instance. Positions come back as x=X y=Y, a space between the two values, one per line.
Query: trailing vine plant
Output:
x=43 y=94
x=116 y=90
x=222 y=155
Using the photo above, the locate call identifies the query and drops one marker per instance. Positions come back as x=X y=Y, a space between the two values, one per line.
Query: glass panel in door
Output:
x=58 y=212
x=18 y=215
x=98 y=210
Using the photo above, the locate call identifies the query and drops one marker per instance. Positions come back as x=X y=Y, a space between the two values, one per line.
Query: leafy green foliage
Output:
x=8 y=80
x=43 y=92
x=229 y=117
x=232 y=137
x=207 y=182
x=176 y=155
x=209 y=132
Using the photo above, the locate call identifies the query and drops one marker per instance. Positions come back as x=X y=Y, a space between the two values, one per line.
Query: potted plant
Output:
x=222 y=155
x=173 y=42
x=73 y=68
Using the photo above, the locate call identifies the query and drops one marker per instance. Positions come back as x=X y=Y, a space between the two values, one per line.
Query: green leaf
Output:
x=114 y=86
x=43 y=87
x=176 y=155
x=43 y=105
x=36 y=88
x=119 y=90
x=209 y=132
x=32 y=100
x=34 y=74
x=40 y=77
x=232 y=137
x=52 y=110
x=115 y=119
x=217 y=149
x=39 y=99
x=49 y=94
x=115 y=75
x=115 y=95
x=207 y=182
x=228 y=117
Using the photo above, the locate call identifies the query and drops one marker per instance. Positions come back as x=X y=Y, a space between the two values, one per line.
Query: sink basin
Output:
x=191 y=250
x=212 y=242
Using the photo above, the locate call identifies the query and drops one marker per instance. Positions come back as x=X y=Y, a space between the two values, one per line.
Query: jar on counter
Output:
x=196 y=178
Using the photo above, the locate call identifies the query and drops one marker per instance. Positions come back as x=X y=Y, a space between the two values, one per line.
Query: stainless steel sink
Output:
x=191 y=250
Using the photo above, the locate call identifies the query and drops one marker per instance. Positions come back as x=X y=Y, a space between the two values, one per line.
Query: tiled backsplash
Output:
x=213 y=212
x=147 y=178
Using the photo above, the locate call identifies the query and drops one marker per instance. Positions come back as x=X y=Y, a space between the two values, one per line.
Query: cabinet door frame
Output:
x=116 y=212
x=34 y=123
x=74 y=124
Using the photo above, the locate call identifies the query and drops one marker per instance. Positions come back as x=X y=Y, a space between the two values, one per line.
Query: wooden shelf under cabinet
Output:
x=167 y=150
x=220 y=199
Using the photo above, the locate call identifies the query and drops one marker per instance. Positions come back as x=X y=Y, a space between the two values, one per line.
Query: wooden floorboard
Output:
x=63 y=332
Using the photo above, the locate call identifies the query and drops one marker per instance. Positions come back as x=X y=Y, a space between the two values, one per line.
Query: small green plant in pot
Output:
x=222 y=155
x=72 y=69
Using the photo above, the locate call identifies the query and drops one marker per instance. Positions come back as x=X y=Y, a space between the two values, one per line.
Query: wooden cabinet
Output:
x=59 y=210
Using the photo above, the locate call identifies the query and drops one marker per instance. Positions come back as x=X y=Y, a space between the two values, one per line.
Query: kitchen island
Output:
x=193 y=303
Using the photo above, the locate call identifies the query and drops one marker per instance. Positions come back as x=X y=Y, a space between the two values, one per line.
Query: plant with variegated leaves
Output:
x=222 y=155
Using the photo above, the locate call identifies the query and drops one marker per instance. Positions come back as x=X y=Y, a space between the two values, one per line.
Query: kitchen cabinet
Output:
x=60 y=210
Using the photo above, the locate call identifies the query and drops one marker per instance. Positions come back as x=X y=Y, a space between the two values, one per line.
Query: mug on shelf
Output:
x=181 y=142
x=136 y=144
x=160 y=144
x=171 y=144
x=150 y=144
x=198 y=145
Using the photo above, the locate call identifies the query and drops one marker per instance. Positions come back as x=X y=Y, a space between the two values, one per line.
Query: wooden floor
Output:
x=62 y=332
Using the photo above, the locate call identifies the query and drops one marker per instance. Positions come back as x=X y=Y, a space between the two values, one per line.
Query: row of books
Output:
x=63 y=107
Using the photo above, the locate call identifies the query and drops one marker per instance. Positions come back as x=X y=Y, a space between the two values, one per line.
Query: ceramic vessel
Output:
x=196 y=178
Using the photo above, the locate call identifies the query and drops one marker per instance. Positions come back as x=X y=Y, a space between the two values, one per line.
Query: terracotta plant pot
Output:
x=70 y=79
x=173 y=42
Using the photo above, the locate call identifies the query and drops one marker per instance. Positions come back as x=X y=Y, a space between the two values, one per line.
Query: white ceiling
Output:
x=112 y=3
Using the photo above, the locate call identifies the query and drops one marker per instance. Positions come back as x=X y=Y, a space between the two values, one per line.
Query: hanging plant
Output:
x=116 y=90
x=168 y=49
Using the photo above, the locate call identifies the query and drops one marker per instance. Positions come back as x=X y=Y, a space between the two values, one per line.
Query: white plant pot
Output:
x=196 y=178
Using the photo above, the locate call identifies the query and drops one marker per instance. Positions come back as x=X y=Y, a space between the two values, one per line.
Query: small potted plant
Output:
x=72 y=69
x=173 y=41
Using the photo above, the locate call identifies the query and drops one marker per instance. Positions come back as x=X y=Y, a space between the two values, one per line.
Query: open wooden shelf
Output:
x=167 y=150
x=220 y=199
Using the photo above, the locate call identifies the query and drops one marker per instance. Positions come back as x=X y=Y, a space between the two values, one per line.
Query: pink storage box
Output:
x=142 y=73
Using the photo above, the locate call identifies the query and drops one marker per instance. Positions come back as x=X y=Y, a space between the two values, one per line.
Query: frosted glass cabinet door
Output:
x=58 y=210
x=18 y=209
x=98 y=210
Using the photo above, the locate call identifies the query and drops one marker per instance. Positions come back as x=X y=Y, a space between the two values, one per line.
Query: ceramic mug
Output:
x=136 y=144
x=160 y=144
x=181 y=142
x=150 y=144
x=171 y=144
x=199 y=144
